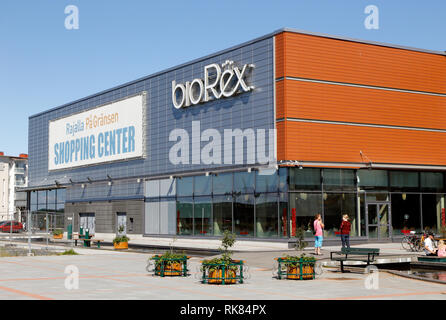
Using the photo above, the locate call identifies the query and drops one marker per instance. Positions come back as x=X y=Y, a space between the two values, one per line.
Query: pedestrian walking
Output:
x=318 y=235
x=345 y=231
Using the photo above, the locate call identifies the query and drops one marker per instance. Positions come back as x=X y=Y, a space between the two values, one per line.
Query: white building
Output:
x=13 y=174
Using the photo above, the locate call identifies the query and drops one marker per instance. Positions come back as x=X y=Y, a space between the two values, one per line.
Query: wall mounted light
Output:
x=404 y=196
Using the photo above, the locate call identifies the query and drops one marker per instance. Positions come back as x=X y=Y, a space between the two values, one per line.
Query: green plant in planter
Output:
x=121 y=229
x=167 y=258
x=225 y=260
x=301 y=244
x=120 y=239
x=294 y=261
x=57 y=232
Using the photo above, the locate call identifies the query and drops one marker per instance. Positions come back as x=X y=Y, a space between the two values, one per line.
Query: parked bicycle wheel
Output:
x=405 y=243
x=418 y=245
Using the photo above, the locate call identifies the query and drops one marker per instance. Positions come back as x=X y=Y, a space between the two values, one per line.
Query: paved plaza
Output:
x=109 y=275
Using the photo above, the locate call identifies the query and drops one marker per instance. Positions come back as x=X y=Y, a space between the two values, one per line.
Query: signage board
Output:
x=110 y=132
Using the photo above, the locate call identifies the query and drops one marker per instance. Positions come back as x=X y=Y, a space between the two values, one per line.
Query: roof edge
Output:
x=269 y=35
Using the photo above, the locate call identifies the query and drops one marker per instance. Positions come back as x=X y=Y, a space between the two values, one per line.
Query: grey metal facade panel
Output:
x=253 y=109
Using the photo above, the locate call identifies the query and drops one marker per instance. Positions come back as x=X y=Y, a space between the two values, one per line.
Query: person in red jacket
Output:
x=345 y=231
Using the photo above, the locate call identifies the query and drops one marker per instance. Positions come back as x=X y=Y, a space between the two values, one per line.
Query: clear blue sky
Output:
x=43 y=65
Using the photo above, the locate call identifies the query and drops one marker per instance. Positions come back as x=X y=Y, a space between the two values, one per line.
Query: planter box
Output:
x=170 y=267
x=121 y=245
x=221 y=273
x=300 y=270
x=58 y=236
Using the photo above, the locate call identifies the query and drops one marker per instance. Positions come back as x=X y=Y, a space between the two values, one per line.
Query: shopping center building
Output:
x=256 y=139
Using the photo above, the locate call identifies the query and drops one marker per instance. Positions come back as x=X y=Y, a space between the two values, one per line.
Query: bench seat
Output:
x=354 y=254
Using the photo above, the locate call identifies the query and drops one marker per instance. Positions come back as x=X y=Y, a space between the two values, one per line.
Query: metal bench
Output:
x=354 y=254
x=92 y=240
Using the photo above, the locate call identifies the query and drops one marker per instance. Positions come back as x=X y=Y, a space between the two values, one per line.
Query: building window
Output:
x=266 y=216
x=336 y=205
x=222 y=210
x=373 y=180
x=203 y=216
x=185 y=216
x=432 y=205
x=267 y=182
x=305 y=179
x=432 y=181
x=405 y=212
x=244 y=182
x=303 y=207
x=203 y=185
x=222 y=183
x=404 y=181
x=185 y=186
x=339 y=179
x=244 y=215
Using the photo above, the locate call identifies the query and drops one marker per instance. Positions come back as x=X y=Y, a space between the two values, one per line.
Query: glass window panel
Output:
x=222 y=211
x=336 y=205
x=362 y=225
x=303 y=207
x=433 y=204
x=432 y=181
x=377 y=196
x=305 y=179
x=51 y=198
x=41 y=200
x=373 y=179
x=60 y=207
x=153 y=188
x=203 y=216
x=283 y=215
x=244 y=215
x=405 y=212
x=401 y=180
x=34 y=198
x=61 y=195
x=168 y=187
x=222 y=183
x=244 y=182
x=266 y=215
x=339 y=179
x=283 y=179
x=185 y=186
x=267 y=182
x=203 y=185
x=185 y=216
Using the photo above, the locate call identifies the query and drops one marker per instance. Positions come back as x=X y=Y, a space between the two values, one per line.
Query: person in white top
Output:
x=429 y=245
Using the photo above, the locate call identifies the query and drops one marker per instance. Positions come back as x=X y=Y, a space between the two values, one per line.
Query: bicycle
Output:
x=412 y=242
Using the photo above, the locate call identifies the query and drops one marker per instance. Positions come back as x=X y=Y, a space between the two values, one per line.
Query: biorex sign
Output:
x=224 y=81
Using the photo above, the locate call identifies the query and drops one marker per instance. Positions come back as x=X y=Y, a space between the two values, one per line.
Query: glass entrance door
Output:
x=378 y=220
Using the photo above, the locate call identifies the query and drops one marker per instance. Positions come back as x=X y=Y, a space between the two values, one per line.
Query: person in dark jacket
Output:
x=345 y=231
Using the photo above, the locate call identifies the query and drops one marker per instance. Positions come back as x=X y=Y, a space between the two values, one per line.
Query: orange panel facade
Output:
x=336 y=97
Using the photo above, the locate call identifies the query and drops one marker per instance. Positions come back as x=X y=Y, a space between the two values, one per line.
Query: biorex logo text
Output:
x=224 y=81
